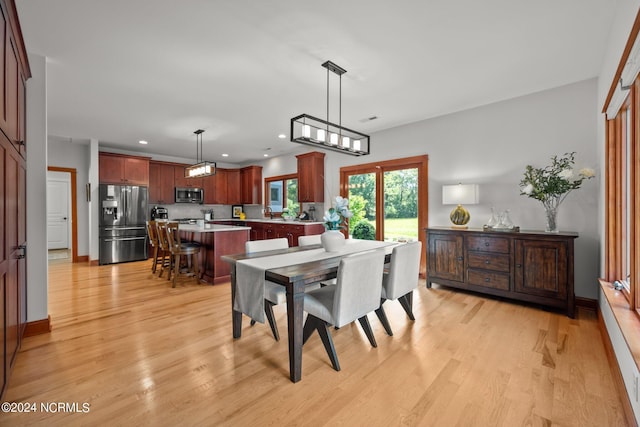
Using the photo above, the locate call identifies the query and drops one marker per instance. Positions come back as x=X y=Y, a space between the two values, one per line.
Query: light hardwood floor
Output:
x=142 y=353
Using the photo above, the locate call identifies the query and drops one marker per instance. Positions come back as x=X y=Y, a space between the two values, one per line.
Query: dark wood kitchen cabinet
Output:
x=251 y=182
x=234 y=187
x=123 y=170
x=311 y=177
x=535 y=267
x=181 y=181
x=13 y=179
x=161 y=183
x=223 y=188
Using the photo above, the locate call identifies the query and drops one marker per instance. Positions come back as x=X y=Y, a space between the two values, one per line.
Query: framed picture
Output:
x=236 y=210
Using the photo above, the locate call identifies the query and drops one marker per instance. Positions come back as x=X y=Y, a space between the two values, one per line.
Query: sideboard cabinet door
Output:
x=445 y=254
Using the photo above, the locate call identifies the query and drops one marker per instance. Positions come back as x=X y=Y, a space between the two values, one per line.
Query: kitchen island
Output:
x=216 y=240
x=262 y=229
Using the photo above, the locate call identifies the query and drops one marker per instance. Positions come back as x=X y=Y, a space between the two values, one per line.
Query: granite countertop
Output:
x=210 y=228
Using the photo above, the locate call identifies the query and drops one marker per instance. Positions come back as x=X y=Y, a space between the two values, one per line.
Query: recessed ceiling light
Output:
x=282 y=136
x=225 y=155
x=143 y=142
x=265 y=155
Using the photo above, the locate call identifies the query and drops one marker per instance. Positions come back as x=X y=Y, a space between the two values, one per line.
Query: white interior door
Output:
x=58 y=218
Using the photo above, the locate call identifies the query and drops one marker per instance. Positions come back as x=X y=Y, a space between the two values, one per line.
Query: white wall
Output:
x=74 y=155
x=491 y=145
x=37 y=272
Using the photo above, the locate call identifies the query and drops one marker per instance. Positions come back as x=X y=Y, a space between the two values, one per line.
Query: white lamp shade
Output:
x=460 y=194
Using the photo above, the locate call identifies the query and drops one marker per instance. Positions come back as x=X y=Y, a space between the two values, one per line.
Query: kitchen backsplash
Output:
x=185 y=210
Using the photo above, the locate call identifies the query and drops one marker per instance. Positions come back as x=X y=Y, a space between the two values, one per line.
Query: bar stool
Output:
x=158 y=253
x=164 y=248
x=189 y=250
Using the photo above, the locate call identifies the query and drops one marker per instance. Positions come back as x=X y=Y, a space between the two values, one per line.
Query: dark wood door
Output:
x=445 y=256
x=11 y=92
x=541 y=268
x=14 y=230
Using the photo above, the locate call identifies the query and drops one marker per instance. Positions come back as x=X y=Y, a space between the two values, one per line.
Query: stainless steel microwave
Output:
x=189 y=195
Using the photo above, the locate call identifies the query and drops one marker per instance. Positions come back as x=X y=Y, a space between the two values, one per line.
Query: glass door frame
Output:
x=379 y=168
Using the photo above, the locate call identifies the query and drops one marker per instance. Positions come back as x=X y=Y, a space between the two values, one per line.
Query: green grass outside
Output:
x=401 y=227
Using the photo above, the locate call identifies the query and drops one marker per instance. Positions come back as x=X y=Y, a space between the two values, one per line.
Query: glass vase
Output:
x=551 y=211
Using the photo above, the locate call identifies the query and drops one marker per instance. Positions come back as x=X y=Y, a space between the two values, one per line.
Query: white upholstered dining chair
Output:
x=357 y=292
x=400 y=281
x=273 y=294
x=309 y=240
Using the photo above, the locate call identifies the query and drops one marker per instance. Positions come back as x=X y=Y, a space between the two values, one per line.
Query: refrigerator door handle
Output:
x=125 y=238
x=124 y=228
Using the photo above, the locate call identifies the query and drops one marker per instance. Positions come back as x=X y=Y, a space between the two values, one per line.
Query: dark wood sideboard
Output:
x=531 y=266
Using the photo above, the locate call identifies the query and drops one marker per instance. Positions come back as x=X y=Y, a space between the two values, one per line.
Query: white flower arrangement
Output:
x=334 y=218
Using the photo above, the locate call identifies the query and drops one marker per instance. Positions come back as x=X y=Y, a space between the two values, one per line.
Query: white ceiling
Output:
x=121 y=70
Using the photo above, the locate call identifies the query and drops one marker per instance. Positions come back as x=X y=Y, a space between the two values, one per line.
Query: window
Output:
x=623 y=202
x=281 y=192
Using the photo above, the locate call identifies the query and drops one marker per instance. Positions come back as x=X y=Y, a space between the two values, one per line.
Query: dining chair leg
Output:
x=253 y=322
x=364 y=322
x=406 y=301
x=382 y=316
x=268 y=311
x=314 y=324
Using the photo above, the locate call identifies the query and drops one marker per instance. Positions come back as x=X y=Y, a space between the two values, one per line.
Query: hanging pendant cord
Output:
x=340 y=110
x=327 y=102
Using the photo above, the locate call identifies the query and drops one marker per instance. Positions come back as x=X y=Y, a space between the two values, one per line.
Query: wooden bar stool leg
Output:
x=196 y=266
x=176 y=270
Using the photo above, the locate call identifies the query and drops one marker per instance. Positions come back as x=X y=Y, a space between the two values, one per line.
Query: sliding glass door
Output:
x=389 y=200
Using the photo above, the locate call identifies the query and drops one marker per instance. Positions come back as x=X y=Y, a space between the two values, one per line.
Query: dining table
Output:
x=294 y=268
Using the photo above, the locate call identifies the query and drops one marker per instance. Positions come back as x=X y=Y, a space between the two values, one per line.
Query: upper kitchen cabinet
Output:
x=182 y=182
x=161 y=183
x=216 y=187
x=234 y=187
x=251 y=177
x=311 y=177
x=123 y=170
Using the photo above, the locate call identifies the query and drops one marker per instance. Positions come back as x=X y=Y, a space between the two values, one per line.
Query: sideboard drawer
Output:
x=488 y=279
x=488 y=244
x=488 y=261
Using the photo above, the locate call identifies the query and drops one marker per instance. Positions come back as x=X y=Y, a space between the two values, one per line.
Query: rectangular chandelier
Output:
x=202 y=167
x=309 y=130
x=200 y=170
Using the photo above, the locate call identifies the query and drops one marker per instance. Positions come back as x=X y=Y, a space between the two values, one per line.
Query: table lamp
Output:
x=459 y=194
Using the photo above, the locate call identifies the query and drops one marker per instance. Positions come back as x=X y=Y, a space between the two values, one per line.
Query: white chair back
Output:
x=266 y=245
x=403 y=271
x=358 y=286
x=309 y=240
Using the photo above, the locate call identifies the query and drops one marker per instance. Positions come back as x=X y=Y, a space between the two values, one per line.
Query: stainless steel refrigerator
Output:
x=123 y=213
